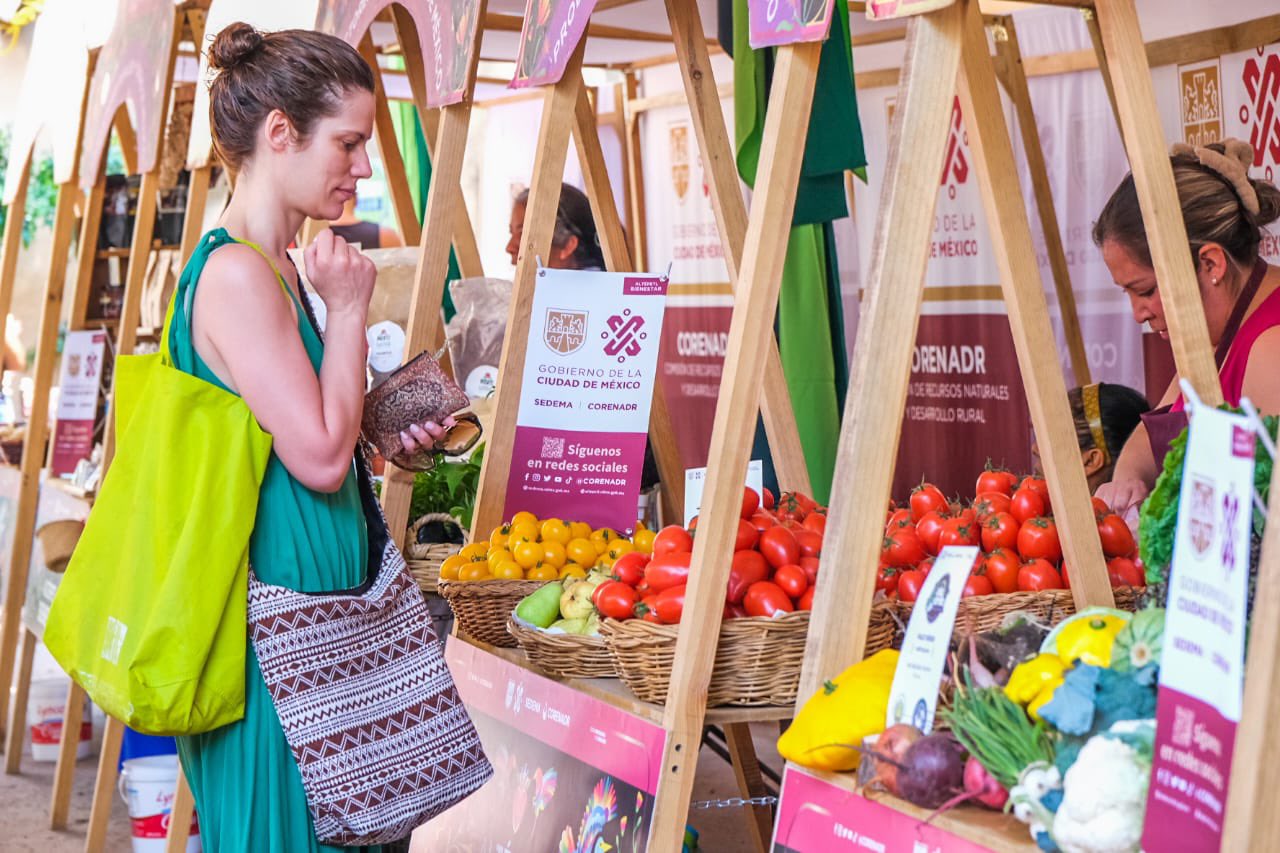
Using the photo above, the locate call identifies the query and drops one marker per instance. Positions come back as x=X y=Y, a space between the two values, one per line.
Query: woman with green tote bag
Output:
x=291 y=115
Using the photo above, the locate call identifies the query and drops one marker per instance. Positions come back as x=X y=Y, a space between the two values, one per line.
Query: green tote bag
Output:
x=150 y=618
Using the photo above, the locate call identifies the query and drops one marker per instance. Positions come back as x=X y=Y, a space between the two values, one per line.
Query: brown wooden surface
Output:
x=552 y=148
x=731 y=217
x=180 y=816
x=1103 y=64
x=746 y=772
x=1153 y=177
x=635 y=173
x=127 y=138
x=12 y=241
x=65 y=770
x=16 y=731
x=763 y=257
x=90 y=221
x=384 y=134
x=197 y=201
x=443 y=216
x=1015 y=80
x=1015 y=254
x=882 y=350
x=104 y=787
x=617 y=258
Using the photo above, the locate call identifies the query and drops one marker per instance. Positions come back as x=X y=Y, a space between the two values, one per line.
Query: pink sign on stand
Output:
x=815 y=816
x=571 y=772
x=880 y=10
x=778 y=22
x=583 y=420
x=551 y=32
x=77 y=400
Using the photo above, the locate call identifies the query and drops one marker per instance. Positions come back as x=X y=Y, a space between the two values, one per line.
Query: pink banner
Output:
x=815 y=816
x=552 y=30
x=694 y=339
x=778 y=22
x=882 y=9
x=584 y=476
x=571 y=772
x=1189 y=773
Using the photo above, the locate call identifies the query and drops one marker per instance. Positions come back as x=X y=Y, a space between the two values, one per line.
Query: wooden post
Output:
x=1015 y=79
x=1158 y=197
x=197 y=200
x=617 y=256
x=1104 y=65
x=384 y=133
x=104 y=786
x=17 y=730
x=760 y=277
x=184 y=805
x=12 y=244
x=1015 y=256
x=635 y=173
x=552 y=149
x=619 y=123
x=65 y=771
x=86 y=252
x=33 y=449
x=882 y=350
x=443 y=220
x=731 y=217
x=746 y=771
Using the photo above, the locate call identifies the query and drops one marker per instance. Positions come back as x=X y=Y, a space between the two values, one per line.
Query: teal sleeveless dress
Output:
x=247 y=788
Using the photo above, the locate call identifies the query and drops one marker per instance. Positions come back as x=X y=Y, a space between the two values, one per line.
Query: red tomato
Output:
x=1000 y=531
x=928 y=529
x=901 y=548
x=747 y=535
x=1038 y=539
x=792 y=579
x=748 y=567
x=629 y=568
x=750 y=501
x=968 y=515
x=648 y=610
x=667 y=571
x=810 y=566
x=669 y=605
x=957 y=532
x=779 y=546
x=927 y=497
x=616 y=600
x=810 y=543
x=806 y=600
x=766 y=599
x=817 y=522
x=762 y=520
x=1002 y=568
x=1026 y=503
x=768 y=499
x=977 y=585
x=988 y=504
x=995 y=480
x=887 y=579
x=672 y=539
x=1040 y=487
x=898 y=519
x=1117 y=539
x=1100 y=507
x=926 y=565
x=732 y=611
x=1066 y=579
x=792 y=505
x=1124 y=572
x=1039 y=574
x=909 y=583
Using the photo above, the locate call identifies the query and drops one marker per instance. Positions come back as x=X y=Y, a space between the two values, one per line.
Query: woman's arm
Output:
x=1261 y=379
x=1135 y=472
x=246 y=330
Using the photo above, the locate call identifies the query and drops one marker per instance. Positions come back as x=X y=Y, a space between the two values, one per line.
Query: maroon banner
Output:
x=965 y=405
x=690 y=362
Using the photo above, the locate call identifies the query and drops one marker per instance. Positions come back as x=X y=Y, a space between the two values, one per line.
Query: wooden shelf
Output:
x=65 y=487
x=613 y=691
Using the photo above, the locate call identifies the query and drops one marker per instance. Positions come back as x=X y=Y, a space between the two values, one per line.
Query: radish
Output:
x=978 y=785
x=931 y=771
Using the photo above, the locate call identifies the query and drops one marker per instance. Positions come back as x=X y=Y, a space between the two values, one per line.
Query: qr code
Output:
x=552 y=448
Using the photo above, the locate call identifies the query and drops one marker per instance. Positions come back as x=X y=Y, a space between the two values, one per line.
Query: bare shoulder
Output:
x=235 y=280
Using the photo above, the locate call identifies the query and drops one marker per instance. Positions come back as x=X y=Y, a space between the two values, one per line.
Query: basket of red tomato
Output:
x=766 y=611
x=1020 y=568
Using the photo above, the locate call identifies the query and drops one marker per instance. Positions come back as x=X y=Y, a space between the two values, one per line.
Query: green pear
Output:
x=541 y=607
x=569 y=626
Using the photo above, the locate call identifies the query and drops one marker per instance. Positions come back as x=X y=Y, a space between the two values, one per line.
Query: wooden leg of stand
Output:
x=746 y=769
x=180 y=816
x=18 y=721
x=104 y=788
x=65 y=774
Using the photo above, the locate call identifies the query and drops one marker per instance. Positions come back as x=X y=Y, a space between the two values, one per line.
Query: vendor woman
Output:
x=1224 y=211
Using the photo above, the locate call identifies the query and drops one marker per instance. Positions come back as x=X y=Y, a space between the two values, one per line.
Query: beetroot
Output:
x=932 y=771
x=887 y=754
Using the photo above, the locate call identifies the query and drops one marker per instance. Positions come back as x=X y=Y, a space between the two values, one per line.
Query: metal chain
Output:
x=734 y=802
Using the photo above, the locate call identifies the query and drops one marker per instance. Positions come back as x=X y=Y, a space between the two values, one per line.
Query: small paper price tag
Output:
x=695 y=480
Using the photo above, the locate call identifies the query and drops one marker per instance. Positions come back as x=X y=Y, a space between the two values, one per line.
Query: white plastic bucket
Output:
x=46 y=703
x=147 y=785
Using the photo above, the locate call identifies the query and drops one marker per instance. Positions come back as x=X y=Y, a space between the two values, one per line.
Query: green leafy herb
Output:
x=997 y=732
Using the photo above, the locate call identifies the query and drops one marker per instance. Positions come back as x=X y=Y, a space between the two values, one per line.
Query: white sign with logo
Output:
x=583 y=421
x=914 y=695
x=77 y=412
x=386 y=346
x=695 y=480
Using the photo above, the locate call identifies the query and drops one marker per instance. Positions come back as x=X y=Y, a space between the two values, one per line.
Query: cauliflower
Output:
x=1103 y=800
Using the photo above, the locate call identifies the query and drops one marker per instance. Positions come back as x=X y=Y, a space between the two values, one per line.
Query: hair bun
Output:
x=235 y=44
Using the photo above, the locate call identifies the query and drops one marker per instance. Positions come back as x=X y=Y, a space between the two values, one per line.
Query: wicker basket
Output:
x=563 y=655
x=57 y=540
x=436 y=553
x=988 y=612
x=482 y=607
x=757 y=660
x=427 y=574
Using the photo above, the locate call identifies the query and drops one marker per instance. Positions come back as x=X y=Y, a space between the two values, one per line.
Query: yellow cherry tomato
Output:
x=526 y=530
x=475 y=572
x=582 y=551
x=572 y=570
x=449 y=571
x=542 y=572
x=643 y=540
x=554 y=553
x=605 y=561
x=476 y=550
x=527 y=554
x=498 y=555
x=555 y=530
x=498 y=538
x=508 y=570
x=524 y=518
x=579 y=530
x=618 y=547
x=453 y=564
